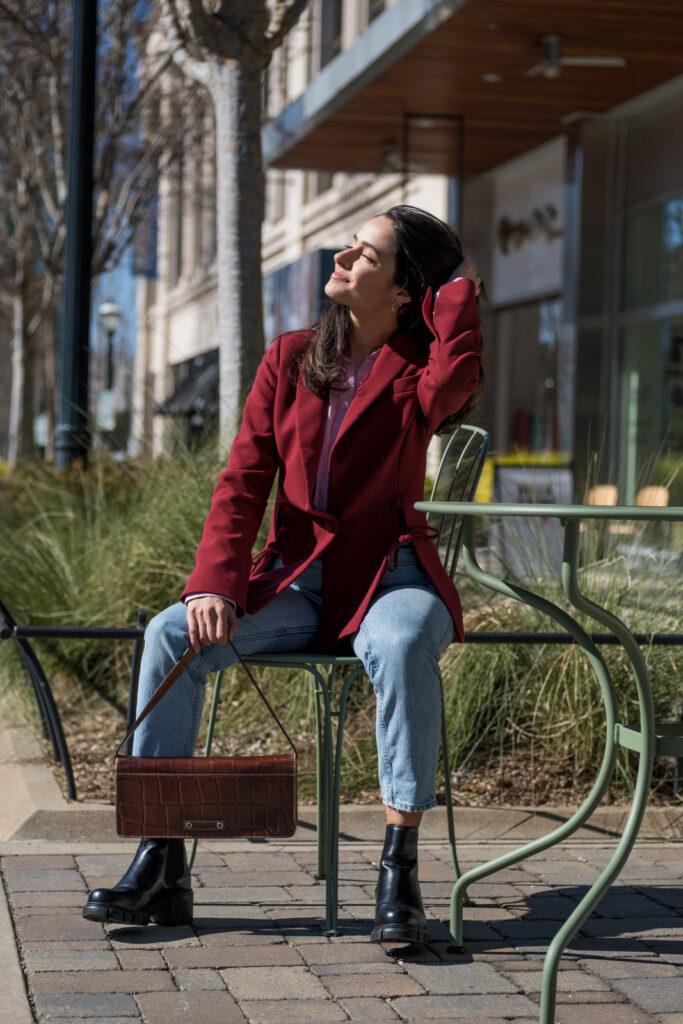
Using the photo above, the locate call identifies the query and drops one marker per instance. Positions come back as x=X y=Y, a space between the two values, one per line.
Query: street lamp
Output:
x=110 y=318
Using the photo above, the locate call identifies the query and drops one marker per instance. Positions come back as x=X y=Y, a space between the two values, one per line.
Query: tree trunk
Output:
x=235 y=89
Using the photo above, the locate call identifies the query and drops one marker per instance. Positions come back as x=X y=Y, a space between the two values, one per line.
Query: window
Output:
x=651 y=346
x=330 y=30
x=375 y=7
x=526 y=346
x=653 y=268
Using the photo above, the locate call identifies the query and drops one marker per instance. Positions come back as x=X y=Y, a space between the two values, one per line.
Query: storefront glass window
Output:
x=651 y=379
x=526 y=399
x=654 y=254
x=651 y=429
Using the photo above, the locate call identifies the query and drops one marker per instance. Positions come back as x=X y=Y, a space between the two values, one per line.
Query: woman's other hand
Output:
x=211 y=620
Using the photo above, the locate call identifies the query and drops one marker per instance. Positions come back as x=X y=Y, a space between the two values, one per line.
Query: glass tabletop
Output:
x=627 y=512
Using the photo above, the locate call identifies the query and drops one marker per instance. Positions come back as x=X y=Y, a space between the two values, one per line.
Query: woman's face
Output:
x=363 y=275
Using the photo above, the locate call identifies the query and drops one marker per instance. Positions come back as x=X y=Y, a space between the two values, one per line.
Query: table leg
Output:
x=606 y=769
x=647 y=751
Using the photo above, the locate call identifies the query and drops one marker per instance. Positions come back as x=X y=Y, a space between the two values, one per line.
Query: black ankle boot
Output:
x=399 y=914
x=156 y=886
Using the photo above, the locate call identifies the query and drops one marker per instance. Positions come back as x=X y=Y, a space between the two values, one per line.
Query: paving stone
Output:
x=631 y=905
x=198 y=979
x=281 y=982
x=257 y=893
x=186 y=1007
x=524 y=929
x=311 y=894
x=207 y=905
x=384 y=985
x=460 y=978
x=111 y=1004
x=368 y=1009
x=21 y=913
x=238 y=937
x=30 y=862
x=100 y=981
x=254 y=955
x=274 y=1011
x=98 y=1020
x=664 y=896
x=366 y=875
x=70 y=960
x=642 y=927
x=607 y=968
x=47 y=899
x=88 y=945
x=488 y=915
x=543 y=906
x=355 y=969
x=423 y=1008
x=567 y=981
x=141 y=959
x=336 y=953
x=57 y=928
x=249 y=897
x=652 y=994
x=670 y=1018
x=252 y=880
x=260 y=862
x=589 y=1013
x=153 y=936
x=608 y=996
x=43 y=881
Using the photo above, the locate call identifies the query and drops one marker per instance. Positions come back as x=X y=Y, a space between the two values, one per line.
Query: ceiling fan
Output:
x=553 y=61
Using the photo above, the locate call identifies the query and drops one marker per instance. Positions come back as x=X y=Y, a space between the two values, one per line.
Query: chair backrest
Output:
x=655 y=494
x=602 y=494
x=456 y=479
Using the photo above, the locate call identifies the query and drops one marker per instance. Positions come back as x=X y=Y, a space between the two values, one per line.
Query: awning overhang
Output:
x=409 y=93
x=198 y=394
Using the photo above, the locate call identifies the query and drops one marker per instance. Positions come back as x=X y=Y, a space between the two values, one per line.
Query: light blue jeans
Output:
x=401 y=638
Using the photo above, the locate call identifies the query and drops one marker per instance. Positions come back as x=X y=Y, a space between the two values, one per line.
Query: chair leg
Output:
x=321 y=779
x=335 y=788
x=329 y=751
x=216 y=700
x=447 y=786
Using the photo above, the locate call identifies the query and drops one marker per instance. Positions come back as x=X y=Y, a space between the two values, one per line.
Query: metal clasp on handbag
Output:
x=203 y=824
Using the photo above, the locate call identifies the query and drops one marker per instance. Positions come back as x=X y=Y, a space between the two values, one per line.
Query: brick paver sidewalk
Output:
x=256 y=951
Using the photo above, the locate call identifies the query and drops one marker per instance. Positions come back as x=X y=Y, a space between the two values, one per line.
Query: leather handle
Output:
x=176 y=671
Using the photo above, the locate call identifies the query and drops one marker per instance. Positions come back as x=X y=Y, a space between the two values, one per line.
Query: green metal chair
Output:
x=456 y=479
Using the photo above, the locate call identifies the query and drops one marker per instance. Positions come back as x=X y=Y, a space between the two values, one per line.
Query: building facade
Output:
x=566 y=183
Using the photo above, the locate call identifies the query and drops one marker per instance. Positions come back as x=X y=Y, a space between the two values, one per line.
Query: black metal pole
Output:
x=72 y=438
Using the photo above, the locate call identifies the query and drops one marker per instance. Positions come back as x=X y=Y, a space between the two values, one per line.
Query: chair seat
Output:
x=301 y=657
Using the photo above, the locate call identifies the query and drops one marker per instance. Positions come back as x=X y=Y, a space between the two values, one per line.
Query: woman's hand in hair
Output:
x=211 y=620
x=467 y=269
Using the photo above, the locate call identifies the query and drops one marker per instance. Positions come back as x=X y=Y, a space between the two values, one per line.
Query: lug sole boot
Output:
x=399 y=914
x=156 y=887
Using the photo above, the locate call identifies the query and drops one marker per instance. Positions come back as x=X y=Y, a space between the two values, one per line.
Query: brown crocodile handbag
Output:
x=205 y=797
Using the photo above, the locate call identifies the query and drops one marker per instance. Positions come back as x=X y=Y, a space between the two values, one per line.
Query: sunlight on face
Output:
x=363 y=272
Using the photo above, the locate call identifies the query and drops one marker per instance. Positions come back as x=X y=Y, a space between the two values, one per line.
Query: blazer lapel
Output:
x=311 y=409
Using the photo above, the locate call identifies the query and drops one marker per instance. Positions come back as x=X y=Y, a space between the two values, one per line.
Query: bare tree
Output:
x=225 y=45
x=133 y=147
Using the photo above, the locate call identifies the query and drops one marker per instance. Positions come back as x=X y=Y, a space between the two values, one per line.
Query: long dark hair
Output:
x=427 y=251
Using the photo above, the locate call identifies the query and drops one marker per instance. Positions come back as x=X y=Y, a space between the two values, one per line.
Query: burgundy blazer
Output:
x=377 y=463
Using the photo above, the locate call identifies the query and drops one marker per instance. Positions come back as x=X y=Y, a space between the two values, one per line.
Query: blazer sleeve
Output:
x=223 y=557
x=453 y=367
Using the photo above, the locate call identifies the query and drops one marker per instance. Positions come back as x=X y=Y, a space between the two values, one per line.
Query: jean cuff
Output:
x=399 y=805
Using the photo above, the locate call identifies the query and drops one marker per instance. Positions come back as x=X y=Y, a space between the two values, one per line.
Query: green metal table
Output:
x=647 y=738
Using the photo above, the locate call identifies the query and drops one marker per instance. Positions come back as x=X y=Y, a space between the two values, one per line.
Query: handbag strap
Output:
x=176 y=671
